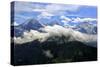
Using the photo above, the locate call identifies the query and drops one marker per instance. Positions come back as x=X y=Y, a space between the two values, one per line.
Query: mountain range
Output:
x=84 y=27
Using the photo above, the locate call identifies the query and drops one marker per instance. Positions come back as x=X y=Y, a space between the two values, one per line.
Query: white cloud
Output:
x=56 y=30
x=56 y=9
x=23 y=6
x=76 y=20
x=89 y=19
x=83 y=19
x=39 y=10
x=65 y=19
x=65 y=23
x=45 y=15
x=27 y=6
x=48 y=53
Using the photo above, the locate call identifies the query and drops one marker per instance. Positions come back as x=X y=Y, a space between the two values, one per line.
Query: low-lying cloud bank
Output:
x=55 y=33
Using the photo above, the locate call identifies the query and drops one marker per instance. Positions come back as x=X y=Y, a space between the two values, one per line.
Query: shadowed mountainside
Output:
x=33 y=52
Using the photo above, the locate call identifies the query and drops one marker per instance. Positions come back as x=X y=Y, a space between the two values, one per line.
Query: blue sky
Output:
x=47 y=12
